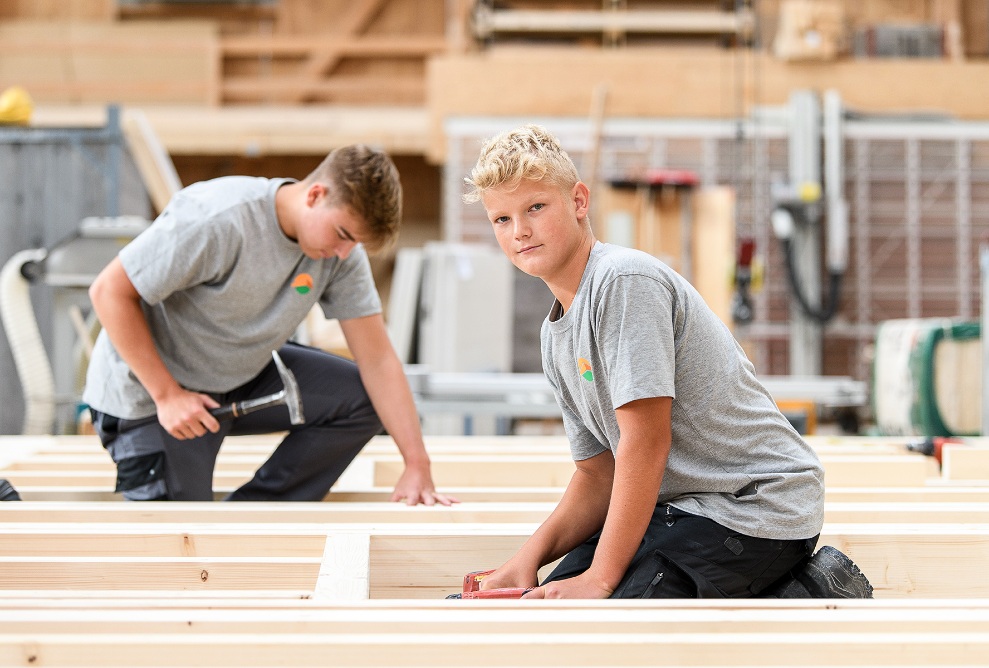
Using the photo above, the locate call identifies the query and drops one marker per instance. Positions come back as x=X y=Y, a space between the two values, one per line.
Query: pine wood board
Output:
x=519 y=649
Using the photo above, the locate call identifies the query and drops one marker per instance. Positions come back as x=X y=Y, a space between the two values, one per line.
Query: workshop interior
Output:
x=818 y=170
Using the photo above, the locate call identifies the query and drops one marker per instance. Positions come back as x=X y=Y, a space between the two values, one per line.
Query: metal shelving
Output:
x=918 y=198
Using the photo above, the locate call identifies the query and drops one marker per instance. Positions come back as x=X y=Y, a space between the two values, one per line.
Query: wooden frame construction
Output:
x=408 y=560
x=363 y=583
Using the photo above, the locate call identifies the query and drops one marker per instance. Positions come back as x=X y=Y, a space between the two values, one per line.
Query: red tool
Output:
x=932 y=445
x=472 y=588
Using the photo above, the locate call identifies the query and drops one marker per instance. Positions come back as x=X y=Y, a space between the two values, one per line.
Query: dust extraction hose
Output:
x=24 y=338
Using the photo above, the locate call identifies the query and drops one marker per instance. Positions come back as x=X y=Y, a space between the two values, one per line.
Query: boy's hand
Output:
x=579 y=586
x=507 y=577
x=415 y=486
x=186 y=414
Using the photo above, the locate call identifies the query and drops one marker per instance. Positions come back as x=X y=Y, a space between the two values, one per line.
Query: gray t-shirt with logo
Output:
x=638 y=330
x=221 y=287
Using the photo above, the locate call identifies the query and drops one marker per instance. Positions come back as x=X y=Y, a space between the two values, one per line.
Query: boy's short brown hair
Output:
x=529 y=152
x=365 y=181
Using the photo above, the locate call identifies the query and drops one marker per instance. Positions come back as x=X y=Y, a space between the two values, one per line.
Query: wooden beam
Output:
x=488 y=23
x=535 y=470
x=517 y=649
x=160 y=573
x=348 y=46
x=267 y=130
x=472 y=84
x=191 y=512
x=962 y=462
x=323 y=61
x=83 y=62
x=494 y=471
x=152 y=160
x=414 y=560
x=618 y=617
x=926 y=494
x=254 y=88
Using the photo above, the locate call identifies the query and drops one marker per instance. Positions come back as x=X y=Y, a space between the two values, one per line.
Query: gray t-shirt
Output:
x=221 y=287
x=638 y=330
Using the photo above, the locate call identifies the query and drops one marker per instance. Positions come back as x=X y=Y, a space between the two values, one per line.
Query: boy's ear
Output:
x=582 y=199
x=314 y=193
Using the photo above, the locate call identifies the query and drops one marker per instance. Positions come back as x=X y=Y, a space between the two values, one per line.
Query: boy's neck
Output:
x=286 y=200
x=565 y=287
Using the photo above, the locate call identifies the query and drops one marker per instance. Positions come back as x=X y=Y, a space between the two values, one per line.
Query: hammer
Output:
x=287 y=396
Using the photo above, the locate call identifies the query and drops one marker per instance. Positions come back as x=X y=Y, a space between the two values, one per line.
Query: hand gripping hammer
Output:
x=288 y=396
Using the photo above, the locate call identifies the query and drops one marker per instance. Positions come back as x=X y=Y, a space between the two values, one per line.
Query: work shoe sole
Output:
x=7 y=491
x=831 y=574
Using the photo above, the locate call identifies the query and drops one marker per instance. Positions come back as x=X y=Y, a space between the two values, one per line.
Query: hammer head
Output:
x=293 y=400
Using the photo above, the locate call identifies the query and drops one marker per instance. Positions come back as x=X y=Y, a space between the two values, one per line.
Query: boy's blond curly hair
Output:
x=529 y=152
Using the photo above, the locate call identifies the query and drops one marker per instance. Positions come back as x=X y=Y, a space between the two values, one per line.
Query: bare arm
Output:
x=642 y=455
x=580 y=513
x=386 y=384
x=117 y=304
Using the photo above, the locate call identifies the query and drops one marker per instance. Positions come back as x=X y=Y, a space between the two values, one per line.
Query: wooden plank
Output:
x=389 y=512
x=620 y=617
x=345 y=571
x=354 y=22
x=304 y=45
x=439 y=444
x=962 y=462
x=520 y=470
x=169 y=540
x=535 y=470
x=521 y=649
x=429 y=560
x=67 y=600
x=152 y=160
x=471 y=84
x=139 y=62
x=488 y=23
x=253 y=130
x=713 y=249
x=928 y=494
x=161 y=573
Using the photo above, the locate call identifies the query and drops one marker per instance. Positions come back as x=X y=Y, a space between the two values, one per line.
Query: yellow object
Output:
x=15 y=106
x=809 y=191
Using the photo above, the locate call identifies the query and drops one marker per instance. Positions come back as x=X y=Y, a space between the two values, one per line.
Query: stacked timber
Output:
x=360 y=581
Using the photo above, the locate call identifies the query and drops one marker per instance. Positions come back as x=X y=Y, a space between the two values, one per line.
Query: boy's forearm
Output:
x=638 y=475
x=391 y=397
x=580 y=513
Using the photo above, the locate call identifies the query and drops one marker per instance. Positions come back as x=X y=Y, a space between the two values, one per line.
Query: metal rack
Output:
x=917 y=190
x=54 y=177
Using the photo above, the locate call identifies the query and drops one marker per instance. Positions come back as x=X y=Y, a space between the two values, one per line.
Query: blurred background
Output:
x=818 y=169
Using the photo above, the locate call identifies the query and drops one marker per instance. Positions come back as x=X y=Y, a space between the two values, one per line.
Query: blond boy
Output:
x=689 y=481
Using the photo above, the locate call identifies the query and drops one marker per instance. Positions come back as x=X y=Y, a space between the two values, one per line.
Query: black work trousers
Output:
x=688 y=556
x=339 y=421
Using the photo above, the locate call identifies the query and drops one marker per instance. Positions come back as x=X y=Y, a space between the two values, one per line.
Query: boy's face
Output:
x=536 y=224
x=327 y=231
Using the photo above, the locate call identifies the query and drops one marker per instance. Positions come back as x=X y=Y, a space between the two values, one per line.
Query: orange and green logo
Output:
x=584 y=369
x=302 y=283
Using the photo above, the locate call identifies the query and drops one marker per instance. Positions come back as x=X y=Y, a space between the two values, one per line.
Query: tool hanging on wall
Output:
x=801 y=205
x=747 y=278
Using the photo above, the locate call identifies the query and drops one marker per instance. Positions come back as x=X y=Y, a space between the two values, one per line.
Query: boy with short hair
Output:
x=193 y=307
x=689 y=480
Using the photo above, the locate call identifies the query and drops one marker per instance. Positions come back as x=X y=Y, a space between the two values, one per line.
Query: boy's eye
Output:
x=501 y=219
x=537 y=206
